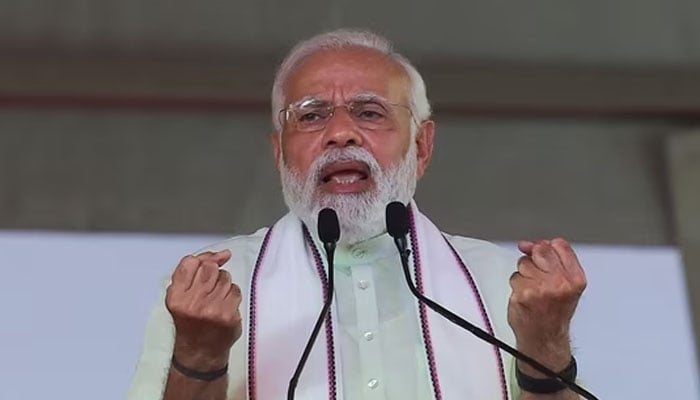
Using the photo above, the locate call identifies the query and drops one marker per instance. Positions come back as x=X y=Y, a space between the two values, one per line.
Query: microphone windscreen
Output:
x=397 y=222
x=328 y=226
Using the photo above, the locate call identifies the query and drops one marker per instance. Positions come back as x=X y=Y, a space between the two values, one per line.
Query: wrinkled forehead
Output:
x=347 y=74
x=315 y=100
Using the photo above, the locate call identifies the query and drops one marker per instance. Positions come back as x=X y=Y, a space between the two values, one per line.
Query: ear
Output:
x=424 y=142
x=276 y=140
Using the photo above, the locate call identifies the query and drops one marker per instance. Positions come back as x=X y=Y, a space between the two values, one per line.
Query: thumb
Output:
x=526 y=246
x=221 y=257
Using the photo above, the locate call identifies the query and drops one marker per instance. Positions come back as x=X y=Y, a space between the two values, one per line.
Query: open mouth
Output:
x=345 y=173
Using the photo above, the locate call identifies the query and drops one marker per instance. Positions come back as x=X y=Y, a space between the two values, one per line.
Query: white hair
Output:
x=343 y=39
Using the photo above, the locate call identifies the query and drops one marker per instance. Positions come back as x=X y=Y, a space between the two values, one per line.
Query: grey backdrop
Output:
x=593 y=180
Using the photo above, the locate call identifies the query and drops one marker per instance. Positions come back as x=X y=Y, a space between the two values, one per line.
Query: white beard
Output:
x=361 y=215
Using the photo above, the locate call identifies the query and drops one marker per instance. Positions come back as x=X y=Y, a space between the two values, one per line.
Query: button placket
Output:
x=367 y=324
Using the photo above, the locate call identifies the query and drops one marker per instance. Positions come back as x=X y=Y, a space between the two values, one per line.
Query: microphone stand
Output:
x=399 y=230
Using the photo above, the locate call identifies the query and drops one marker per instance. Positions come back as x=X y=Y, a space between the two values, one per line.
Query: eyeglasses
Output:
x=313 y=115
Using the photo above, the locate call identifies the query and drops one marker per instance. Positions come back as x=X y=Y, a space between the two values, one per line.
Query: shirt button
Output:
x=369 y=336
x=359 y=252
x=373 y=383
x=362 y=284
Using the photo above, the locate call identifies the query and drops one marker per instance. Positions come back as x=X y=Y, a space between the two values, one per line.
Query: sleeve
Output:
x=510 y=377
x=153 y=365
x=150 y=377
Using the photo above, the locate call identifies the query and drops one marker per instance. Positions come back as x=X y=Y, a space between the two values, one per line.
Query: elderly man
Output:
x=353 y=133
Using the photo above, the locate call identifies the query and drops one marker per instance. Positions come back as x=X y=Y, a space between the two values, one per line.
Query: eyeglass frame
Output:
x=369 y=97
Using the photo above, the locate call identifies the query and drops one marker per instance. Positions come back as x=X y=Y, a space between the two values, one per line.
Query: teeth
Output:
x=345 y=179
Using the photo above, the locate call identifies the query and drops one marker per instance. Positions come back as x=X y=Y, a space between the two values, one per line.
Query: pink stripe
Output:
x=252 y=370
x=422 y=308
x=252 y=323
x=424 y=319
x=330 y=349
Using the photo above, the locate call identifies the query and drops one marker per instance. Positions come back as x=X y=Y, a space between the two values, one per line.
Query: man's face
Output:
x=350 y=154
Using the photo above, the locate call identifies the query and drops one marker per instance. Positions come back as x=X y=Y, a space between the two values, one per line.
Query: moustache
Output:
x=331 y=156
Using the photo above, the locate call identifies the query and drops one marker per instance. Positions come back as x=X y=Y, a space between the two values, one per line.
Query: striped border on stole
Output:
x=252 y=316
x=484 y=315
x=330 y=348
x=425 y=328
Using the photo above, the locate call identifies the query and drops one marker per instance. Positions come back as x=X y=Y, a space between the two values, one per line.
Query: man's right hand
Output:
x=204 y=304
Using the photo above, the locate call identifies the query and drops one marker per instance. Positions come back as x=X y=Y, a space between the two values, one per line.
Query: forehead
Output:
x=347 y=72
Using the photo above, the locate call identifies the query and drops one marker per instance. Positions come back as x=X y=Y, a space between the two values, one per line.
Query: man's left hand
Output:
x=546 y=291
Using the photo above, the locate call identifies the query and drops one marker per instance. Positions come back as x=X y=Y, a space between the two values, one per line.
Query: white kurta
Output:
x=378 y=335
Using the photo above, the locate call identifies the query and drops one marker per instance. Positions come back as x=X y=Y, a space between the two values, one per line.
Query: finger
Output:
x=525 y=246
x=206 y=277
x=519 y=287
x=528 y=269
x=545 y=258
x=223 y=284
x=566 y=254
x=184 y=273
x=570 y=261
x=219 y=257
x=235 y=292
x=515 y=279
x=223 y=256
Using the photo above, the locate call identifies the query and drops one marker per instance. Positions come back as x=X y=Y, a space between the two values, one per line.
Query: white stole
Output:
x=461 y=365
x=286 y=295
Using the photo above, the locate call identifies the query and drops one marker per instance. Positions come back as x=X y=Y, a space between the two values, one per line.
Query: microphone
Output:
x=397 y=225
x=328 y=227
x=329 y=233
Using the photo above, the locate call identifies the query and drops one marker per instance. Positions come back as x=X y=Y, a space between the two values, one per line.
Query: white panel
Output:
x=632 y=332
x=74 y=307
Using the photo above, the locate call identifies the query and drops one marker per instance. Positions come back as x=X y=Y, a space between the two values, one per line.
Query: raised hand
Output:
x=546 y=290
x=204 y=305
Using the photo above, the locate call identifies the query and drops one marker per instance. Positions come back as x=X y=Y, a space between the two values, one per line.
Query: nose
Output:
x=342 y=131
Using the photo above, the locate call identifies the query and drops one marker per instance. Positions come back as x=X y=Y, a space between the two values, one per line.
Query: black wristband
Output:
x=199 y=375
x=546 y=385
